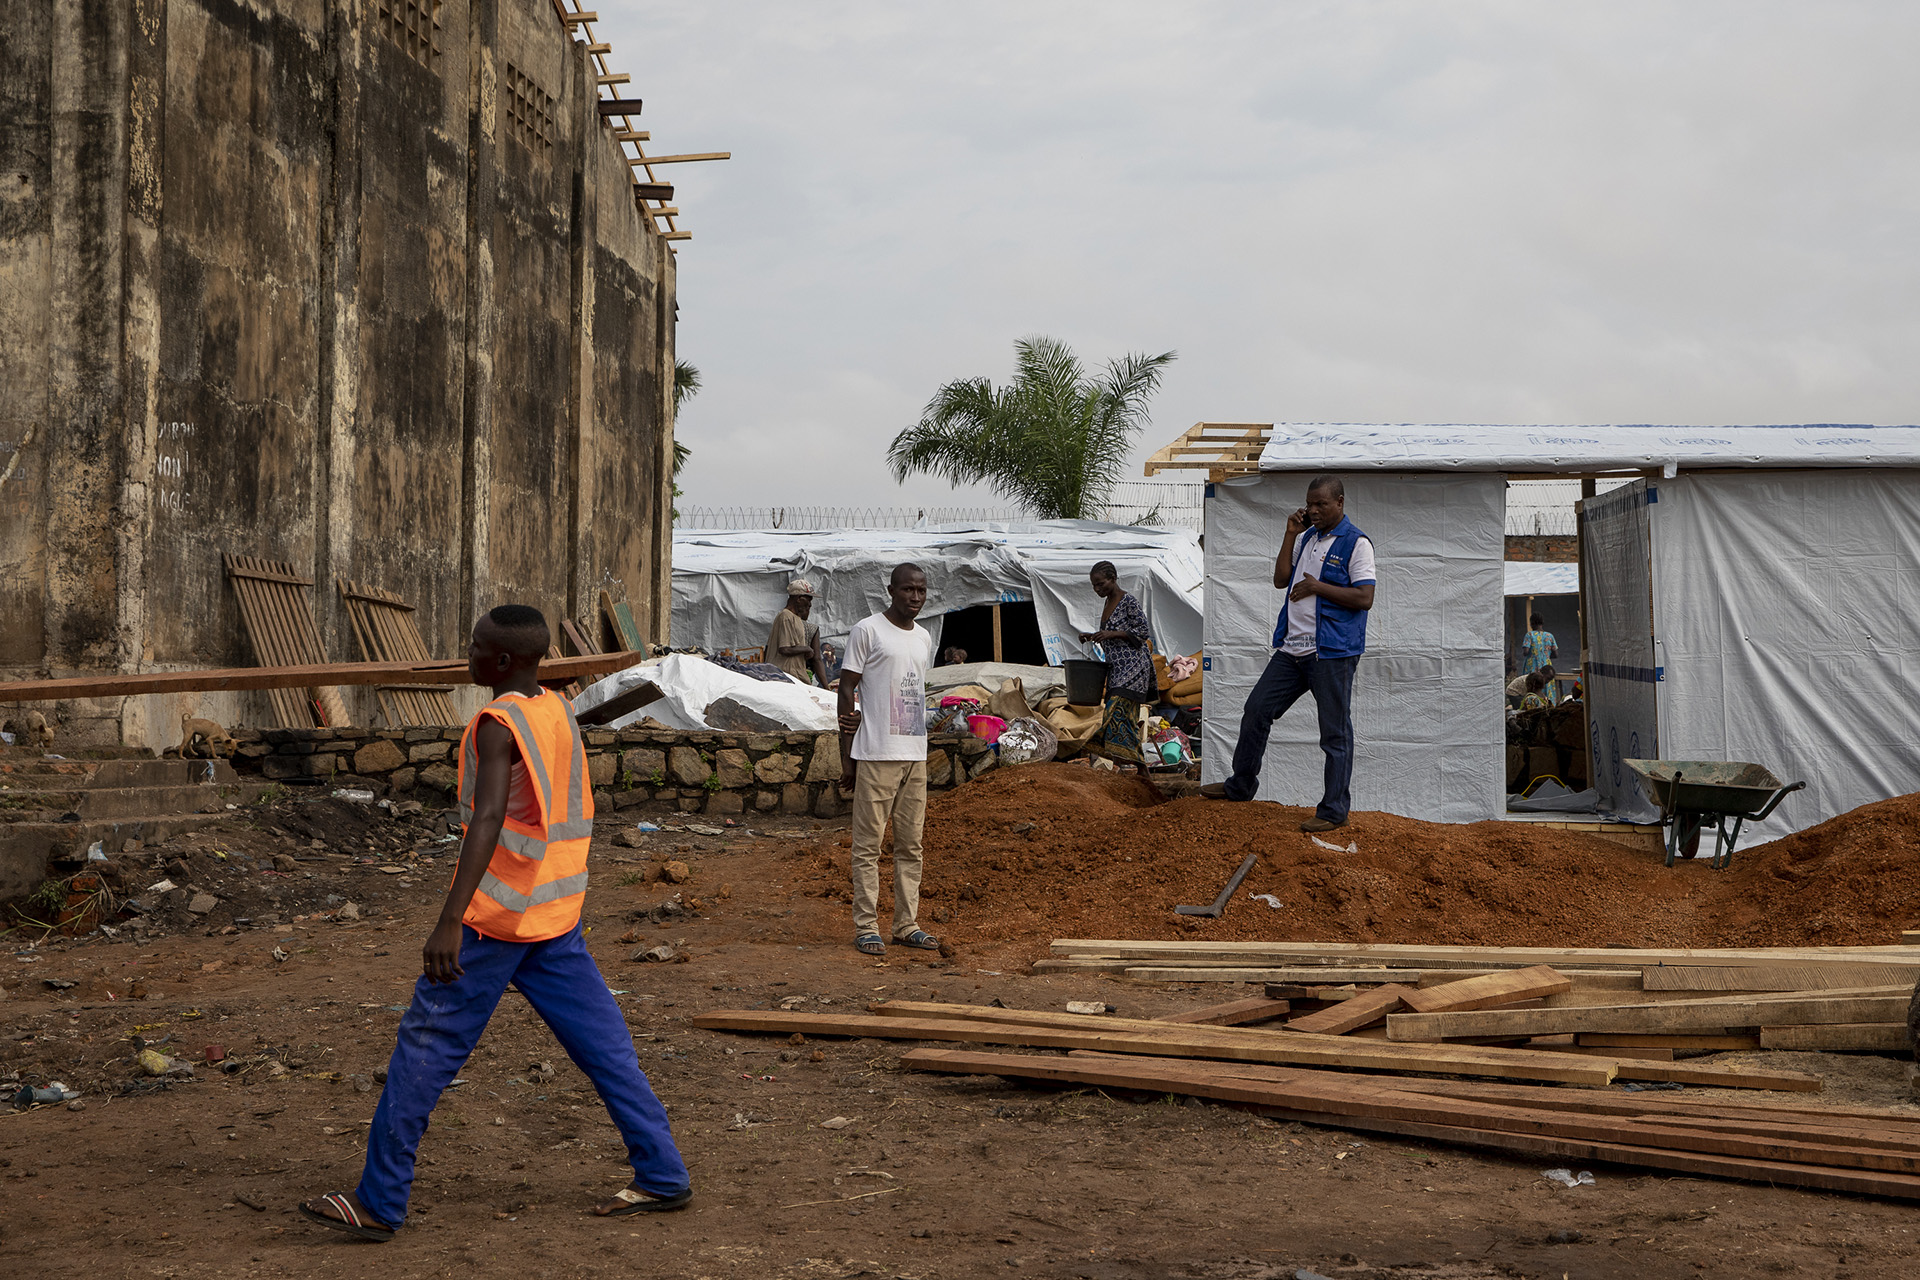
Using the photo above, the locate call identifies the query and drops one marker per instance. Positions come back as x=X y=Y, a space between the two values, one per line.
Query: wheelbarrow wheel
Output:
x=1691 y=849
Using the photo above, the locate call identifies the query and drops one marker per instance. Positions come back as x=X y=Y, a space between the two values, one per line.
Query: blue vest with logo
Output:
x=1339 y=632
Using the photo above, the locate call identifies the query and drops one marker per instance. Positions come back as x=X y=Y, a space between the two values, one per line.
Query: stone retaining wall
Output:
x=693 y=772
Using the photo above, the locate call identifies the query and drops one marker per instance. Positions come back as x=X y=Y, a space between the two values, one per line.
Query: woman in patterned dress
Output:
x=1125 y=637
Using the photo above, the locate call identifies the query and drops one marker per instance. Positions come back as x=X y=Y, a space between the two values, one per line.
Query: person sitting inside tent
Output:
x=1520 y=686
x=1535 y=698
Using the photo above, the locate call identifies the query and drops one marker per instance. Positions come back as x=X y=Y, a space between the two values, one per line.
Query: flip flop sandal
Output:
x=632 y=1201
x=870 y=944
x=349 y=1220
x=920 y=940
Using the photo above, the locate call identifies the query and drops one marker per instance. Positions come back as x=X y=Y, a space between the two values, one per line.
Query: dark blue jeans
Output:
x=1330 y=681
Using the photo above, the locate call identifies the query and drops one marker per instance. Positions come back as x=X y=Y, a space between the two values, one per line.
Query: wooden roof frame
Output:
x=1221 y=449
x=615 y=111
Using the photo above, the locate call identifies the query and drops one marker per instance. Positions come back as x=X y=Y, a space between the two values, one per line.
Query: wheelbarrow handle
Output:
x=1778 y=796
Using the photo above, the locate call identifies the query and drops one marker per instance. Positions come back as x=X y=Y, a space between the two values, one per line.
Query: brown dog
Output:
x=31 y=730
x=203 y=739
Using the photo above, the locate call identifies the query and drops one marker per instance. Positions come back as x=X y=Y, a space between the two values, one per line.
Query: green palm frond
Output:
x=1053 y=439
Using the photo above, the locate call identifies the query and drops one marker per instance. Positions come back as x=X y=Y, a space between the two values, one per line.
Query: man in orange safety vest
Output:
x=511 y=916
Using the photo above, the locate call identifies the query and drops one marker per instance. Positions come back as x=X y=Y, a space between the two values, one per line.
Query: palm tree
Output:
x=686 y=385
x=1055 y=438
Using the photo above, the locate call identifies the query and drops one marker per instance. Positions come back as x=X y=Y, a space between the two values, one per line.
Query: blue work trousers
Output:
x=444 y=1022
x=1330 y=681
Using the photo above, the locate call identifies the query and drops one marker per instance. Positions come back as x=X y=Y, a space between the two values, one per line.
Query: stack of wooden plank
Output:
x=1344 y=1033
x=1644 y=1003
x=1375 y=1087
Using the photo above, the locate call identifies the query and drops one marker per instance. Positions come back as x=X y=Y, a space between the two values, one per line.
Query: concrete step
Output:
x=27 y=847
x=120 y=802
x=148 y=772
x=22 y=753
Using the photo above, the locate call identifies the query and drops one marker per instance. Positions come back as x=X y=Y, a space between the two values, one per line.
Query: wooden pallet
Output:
x=279 y=620
x=619 y=615
x=383 y=623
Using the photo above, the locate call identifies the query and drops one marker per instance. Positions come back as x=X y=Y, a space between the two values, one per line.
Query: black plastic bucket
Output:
x=1086 y=681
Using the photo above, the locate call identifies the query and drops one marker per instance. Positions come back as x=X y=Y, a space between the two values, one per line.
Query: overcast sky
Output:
x=1438 y=212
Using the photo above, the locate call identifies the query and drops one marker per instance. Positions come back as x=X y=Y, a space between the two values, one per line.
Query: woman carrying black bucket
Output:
x=1124 y=636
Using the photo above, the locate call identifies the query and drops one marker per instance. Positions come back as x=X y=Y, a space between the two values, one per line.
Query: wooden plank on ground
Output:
x=1893 y=1129
x=1623 y=1053
x=1716 y=1077
x=1347 y=1102
x=1772 y=977
x=1629 y=1040
x=1351 y=1015
x=1275 y=953
x=1235 y=1013
x=1173 y=973
x=1490 y=991
x=1880 y=1037
x=1165 y=1040
x=1671 y=1018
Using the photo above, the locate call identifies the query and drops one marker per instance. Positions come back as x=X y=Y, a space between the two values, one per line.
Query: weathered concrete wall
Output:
x=285 y=278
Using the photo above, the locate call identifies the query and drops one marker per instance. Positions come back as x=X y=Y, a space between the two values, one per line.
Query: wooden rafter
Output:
x=1221 y=449
x=619 y=112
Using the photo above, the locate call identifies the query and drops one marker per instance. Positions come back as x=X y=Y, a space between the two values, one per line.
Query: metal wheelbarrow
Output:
x=1696 y=794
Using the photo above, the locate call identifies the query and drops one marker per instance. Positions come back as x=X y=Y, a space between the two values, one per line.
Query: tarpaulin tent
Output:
x=1748 y=599
x=727 y=586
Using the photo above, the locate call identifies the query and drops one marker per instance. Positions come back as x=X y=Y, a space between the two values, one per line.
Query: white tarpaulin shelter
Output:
x=1758 y=609
x=1542 y=578
x=689 y=684
x=727 y=586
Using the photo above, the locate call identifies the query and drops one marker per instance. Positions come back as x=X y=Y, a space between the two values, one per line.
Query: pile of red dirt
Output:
x=1038 y=852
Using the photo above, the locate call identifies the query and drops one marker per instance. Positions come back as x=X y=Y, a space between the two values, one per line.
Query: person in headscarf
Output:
x=1126 y=639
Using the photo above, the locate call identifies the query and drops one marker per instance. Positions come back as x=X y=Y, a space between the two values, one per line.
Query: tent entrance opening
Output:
x=1007 y=632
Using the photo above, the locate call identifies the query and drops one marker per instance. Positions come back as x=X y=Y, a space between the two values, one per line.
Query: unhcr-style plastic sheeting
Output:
x=1784 y=605
x=1349 y=446
x=1428 y=716
x=728 y=585
x=1623 y=672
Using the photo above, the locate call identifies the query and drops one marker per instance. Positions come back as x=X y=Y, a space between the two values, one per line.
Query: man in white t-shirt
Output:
x=883 y=758
x=1326 y=568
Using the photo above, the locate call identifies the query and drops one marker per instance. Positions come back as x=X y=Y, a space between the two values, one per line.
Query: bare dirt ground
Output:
x=931 y=1177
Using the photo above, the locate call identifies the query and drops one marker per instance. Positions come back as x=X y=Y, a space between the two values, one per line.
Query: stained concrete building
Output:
x=359 y=285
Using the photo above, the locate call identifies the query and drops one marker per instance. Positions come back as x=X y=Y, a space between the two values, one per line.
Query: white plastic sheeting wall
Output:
x=1785 y=606
x=1429 y=723
x=727 y=586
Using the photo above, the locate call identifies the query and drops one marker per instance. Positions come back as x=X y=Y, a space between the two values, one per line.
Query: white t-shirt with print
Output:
x=1309 y=555
x=892 y=663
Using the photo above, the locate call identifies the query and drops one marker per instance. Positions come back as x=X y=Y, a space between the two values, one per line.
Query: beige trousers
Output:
x=883 y=789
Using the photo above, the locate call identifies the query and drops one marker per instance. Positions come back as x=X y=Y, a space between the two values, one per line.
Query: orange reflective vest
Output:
x=538 y=876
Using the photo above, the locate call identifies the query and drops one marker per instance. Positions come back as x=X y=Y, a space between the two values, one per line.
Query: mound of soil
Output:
x=1038 y=852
